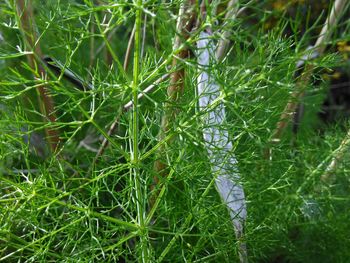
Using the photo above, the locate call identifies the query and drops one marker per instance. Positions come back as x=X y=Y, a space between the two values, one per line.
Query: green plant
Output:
x=94 y=198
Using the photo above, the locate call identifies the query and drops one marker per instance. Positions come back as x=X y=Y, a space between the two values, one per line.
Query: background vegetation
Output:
x=72 y=204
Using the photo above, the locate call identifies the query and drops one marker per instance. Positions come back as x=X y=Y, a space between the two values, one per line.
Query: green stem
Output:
x=140 y=198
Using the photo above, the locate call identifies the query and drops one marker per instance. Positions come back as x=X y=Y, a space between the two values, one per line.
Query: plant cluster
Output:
x=102 y=155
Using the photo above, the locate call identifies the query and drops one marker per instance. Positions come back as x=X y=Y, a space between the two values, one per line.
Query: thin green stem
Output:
x=139 y=196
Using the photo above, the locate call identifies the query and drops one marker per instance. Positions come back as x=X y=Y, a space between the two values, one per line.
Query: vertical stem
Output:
x=27 y=25
x=140 y=199
x=186 y=21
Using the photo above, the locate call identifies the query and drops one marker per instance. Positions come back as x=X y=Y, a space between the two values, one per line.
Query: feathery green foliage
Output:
x=67 y=206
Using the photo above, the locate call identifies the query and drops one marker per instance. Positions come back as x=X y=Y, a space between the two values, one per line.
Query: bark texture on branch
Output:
x=29 y=31
x=186 y=22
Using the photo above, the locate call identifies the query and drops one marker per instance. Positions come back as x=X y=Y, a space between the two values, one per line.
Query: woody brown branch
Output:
x=186 y=22
x=28 y=29
x=292 y=104
x=297 y=94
